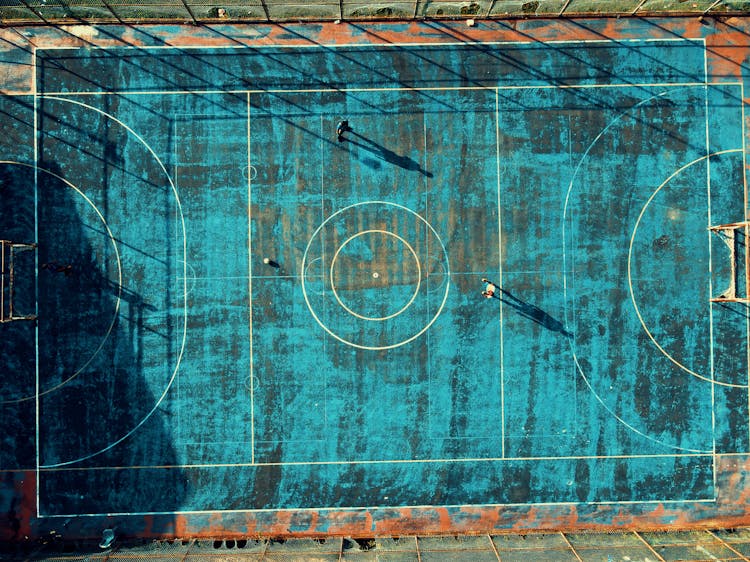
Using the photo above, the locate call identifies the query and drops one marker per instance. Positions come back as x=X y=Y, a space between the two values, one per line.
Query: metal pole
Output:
x=189 y=11
x=638 y=7
x=570 y=546
x=494 y=548
x=111 y=11
x=489 y=10
x=565 y=7
x=33 y=11
x=712 y=6
x=726 y=544
x=265 y=9
x=416 y=9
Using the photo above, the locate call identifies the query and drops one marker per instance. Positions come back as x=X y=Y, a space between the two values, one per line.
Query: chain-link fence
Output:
x=200 y=11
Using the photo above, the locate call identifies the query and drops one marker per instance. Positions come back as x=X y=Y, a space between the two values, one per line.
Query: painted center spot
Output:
x=372 y=296
x=375 y=275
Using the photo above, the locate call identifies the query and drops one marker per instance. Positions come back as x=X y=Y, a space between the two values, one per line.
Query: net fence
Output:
x=205 y=11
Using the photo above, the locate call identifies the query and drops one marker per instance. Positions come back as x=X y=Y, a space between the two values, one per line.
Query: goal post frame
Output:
x=8 y=250
x=736 y=236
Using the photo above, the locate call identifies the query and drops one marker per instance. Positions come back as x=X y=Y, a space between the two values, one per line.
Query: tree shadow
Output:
x=17 y=363
x=88 y=407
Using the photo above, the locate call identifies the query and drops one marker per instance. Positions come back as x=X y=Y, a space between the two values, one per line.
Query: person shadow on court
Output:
x=528 y=310
x=381 y=151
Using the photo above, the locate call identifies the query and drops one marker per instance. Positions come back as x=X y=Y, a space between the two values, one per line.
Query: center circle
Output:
x=379 y=253
x=361 y=286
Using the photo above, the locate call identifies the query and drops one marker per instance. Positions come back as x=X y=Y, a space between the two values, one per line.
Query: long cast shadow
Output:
x=91 y=379
x=533 y=313
x=385 y=153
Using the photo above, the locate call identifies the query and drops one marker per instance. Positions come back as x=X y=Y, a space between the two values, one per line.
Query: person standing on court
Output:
x=490 y=289
x=341 y=128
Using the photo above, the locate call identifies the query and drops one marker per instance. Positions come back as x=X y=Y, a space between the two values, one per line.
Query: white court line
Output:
x=428 y=334
x=465 y=88
x=248 y=95
x=178 y=409
x=383 y=89
x=322 y=190
x=515 y=271
x=709 y=234
x=323 y=225
x=498 y=211
x=237 y=277
x=321 y=159
x=395 y=46
x=387 y=508
x=36 y=273
x=218 y=277
x=250 y=282
x=500 y=271
x=497 y=125
x=539 y=458
x=447 y=461
x=572 y=310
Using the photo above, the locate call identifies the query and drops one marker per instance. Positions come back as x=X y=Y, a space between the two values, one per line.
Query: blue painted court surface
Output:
x=174 y=371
